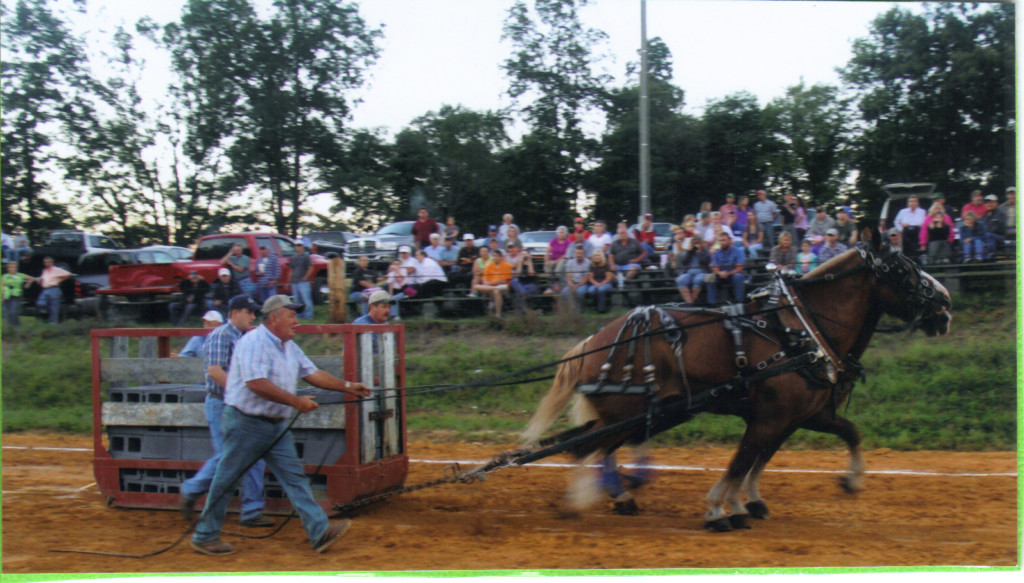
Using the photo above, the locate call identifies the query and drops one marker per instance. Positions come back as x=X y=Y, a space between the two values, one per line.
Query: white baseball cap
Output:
x=213 y=316
x=404 y=249
x=223 y=271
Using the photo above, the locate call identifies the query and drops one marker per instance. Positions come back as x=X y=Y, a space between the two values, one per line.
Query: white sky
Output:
x=439 y=52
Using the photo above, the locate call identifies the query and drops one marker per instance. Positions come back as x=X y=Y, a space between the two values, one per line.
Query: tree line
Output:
x=257 y=121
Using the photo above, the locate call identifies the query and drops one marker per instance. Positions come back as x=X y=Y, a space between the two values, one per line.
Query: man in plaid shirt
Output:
x=219 y=346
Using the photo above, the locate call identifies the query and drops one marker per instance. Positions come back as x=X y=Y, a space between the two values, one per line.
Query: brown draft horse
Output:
x=787 y=361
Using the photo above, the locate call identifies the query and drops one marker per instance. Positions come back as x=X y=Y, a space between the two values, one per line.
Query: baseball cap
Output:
x=648 y=216
x=832 y=232
x=223 y=271
x=1011 y=189
x=578 y=220
x=992 y=197
x=404 y=249
x=213 y=316
x=467 y=237
x=243 y=302
x=846 y=210
x=730 y=195
x=492 y=228
x=380 y=296
x=281 y=301
x=893 y=232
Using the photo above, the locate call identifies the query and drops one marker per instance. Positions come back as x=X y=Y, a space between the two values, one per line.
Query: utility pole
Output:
x=645 y=146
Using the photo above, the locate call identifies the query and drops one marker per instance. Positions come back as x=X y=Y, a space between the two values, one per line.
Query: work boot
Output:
x=334 y=532
x=212 y=547
x=186 y=506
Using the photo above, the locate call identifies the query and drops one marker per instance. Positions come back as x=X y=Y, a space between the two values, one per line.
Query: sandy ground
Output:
x=938 y=516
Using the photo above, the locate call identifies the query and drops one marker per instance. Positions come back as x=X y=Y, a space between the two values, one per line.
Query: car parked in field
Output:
x=324 y=242
x=536 y=242
x=662 y=235
x=177 y=253
x=382 y=245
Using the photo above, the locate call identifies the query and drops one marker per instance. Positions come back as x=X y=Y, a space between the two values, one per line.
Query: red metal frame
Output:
x=347 y=479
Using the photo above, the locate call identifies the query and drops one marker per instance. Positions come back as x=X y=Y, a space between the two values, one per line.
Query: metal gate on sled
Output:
x=150 y=432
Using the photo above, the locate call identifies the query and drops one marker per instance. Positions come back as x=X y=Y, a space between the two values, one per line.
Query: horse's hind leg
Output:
x=755 y=505
x=583 y=489
x=825 y=422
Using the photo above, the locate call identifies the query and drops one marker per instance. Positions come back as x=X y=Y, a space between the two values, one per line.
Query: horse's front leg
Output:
x=825 y=422
x=755 y=505
x=725 y=496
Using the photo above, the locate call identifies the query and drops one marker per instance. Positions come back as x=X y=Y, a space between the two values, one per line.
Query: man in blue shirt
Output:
x=218 y=349
x=259 y=397
x=379 y=309
x=727 y=265
x=194 y=346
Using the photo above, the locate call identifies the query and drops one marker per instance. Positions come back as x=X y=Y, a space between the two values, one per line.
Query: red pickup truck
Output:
x=157 y=283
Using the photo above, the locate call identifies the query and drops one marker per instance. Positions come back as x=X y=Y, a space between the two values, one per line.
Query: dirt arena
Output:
x=942 y=509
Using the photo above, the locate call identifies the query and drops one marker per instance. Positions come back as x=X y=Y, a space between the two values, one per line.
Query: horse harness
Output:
x=804 y=349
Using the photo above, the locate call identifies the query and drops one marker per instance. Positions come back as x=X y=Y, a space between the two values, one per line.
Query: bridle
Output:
x=906 y=278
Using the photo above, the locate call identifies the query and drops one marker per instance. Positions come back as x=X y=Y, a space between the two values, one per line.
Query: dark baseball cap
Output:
x=243 y=302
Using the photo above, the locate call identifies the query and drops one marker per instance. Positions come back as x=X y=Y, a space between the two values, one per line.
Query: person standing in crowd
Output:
x=301 y=279
x=380 y=303
x=259 y=397
x=424 y=226
x=994 y=221
x=783 y=255
x=217 y=351
x=832 y=246
x=767 y=213
x=727 y=265
x=193 y=293
x=506 y=224
x=693 y=265
x=266 y=270
x=787 y=214
x=14 y=284
x=800 y=224
x=451 y=230
x=50 y=298
x=909 y=221
x=729 y=206
x=222 y=291
x=239 y=263
x=194 y=347
x=743 y=211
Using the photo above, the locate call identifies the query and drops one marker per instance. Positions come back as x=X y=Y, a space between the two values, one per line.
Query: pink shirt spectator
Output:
x=52 y=276
x=558 y=248
x=923 y=238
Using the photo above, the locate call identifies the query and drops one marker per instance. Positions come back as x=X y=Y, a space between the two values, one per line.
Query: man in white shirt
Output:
x=428 y=279
x=909 y=221
x=600 y=240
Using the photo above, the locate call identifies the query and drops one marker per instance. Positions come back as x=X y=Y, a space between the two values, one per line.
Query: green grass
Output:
x=957 y=392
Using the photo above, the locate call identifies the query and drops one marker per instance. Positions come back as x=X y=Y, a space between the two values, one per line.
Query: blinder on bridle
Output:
x=906 y=278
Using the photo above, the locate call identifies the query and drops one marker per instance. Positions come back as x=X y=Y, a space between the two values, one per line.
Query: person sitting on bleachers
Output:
x=972 y=238
x=448 y=258
x=727 y=264
x=910 y=220
x=832 y=246
x=817 y=228
x=495 y=279
x=994 y=221
x=783 y=255
x=628 y=254
x=753 y=236
x=693 y=266
x=435 y=247
x=846 y=226
x=558 y=249
x=938 y=235
x=806 y=260
x=976 y=206
x=1010 y=210
x=599 y=279
x=576 y=269
x=524 y=277
x=429 y=279
x=482 y=259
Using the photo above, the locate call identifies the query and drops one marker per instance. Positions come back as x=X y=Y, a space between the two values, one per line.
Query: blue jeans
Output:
x=357 y=297
x=12 y=311
x=991 y=242
x=180 y=312
x=302 y=292
x=601 y=291
x=975 y=247
x=694 y=277
x=49 y=300
x=738 y=281
x=246 y=439
x=265 y=290
x=252 y=482
x=248 y=287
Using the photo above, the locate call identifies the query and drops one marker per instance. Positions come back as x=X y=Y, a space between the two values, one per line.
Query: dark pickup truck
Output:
x=157 y=283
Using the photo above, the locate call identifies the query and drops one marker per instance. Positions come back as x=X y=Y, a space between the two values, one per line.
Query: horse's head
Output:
x=905 y=290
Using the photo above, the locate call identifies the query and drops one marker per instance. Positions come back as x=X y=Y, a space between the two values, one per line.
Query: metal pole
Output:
x=645 y=150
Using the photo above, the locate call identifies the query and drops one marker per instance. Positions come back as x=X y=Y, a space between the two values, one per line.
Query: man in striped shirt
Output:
x=259 y=398
x=218 y=348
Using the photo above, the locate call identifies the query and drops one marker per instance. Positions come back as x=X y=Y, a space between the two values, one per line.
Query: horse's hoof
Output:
x=739 y=521
x=720 y=525
x=626 y=508
x=633 y=482
x=846 y=483
x=758 y=509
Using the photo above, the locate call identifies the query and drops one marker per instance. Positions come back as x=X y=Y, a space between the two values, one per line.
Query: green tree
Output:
x=936 y=95
x=554 y=80
x=44 y=77
x=810 y=128
x=737 y=146
x=675 y=140
x=272 y=93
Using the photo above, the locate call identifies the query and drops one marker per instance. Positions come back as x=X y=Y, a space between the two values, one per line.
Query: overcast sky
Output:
x=439 y=52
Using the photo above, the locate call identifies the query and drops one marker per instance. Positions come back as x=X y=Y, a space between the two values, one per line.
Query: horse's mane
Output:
x=830 y=265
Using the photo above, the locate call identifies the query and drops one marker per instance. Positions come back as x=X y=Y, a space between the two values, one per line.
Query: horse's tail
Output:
x=558 y=396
